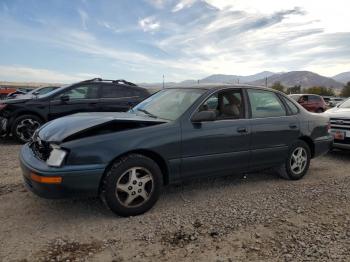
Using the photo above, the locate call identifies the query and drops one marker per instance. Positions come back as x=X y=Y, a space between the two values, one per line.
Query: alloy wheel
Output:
x=26 y=128
x=298 y=160
x=134 y=187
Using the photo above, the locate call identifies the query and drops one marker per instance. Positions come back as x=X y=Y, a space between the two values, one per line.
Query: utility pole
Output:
x=163 y=81
x=266 y=82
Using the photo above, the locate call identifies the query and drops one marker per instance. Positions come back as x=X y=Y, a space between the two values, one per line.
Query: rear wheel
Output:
x=24 y=127
x=297 y=162
x=132 y=185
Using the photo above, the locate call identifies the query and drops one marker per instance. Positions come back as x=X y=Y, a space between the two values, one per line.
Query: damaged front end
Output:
x=48 y=143
x=82 y=125
x=3 y=126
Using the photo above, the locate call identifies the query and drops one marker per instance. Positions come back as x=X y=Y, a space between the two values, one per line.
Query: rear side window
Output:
x=115 y=91
x=138 y=92
x=303 y=99
x=265 y=104
x=314 y=99
x=293 y=108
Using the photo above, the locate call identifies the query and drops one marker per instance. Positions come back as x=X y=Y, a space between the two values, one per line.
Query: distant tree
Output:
x=294 y=90
x=346 y=90
x=278 y=86
x=320 y=90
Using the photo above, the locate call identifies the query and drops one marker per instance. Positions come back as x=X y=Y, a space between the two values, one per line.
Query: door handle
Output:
x=242 y=130
x=293 y=126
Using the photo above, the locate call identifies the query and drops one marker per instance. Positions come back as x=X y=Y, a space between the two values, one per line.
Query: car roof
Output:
x=220 y=86
x=306 y=95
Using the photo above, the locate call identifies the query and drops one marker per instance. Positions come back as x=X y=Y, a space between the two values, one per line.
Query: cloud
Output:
x=149 y=24
x=111 y=27
x=83 y=17
x=190 y=39
x=21 y=73
x=183 y=4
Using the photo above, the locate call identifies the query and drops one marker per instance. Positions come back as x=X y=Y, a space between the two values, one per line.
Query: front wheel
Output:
x=132 y=185
x=24 y=127
x=297 y=162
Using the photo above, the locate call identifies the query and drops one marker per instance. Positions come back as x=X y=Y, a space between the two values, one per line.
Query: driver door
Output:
x=82 y=98
x=220 y=146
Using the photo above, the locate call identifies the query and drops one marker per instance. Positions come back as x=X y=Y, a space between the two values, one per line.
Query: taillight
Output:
x=2 y=106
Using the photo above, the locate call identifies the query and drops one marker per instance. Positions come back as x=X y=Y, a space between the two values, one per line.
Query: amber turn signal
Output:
x=46 y=180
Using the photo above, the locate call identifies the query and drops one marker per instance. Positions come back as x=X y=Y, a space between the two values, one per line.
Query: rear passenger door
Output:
x=274 y=128
x=117 y=98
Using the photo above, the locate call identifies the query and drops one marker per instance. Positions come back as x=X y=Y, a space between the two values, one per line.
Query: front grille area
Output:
x=41 y=149
x=339 y=123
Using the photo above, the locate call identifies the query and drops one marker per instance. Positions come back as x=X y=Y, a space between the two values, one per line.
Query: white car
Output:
x=340 y=124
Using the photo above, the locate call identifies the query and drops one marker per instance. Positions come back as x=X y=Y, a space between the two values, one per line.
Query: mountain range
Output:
x=342 y=77
x=303 y=78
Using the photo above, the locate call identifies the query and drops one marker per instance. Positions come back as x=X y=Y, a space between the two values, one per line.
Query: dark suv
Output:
x=21 y=117
x=312 y=103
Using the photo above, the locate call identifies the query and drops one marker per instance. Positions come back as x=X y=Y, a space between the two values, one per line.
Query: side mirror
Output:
x=65 y=98
x=203 y=116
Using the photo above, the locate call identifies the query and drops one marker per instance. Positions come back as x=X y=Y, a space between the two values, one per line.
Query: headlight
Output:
x=56 y=157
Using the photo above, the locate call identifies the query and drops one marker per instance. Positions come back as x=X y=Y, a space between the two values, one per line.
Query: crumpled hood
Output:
x=60 y=129
x=337 y=112
x=16 y=100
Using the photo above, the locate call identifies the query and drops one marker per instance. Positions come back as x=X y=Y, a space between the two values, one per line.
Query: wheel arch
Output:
x=22 y=113
x=310 y=143
x=145 y=152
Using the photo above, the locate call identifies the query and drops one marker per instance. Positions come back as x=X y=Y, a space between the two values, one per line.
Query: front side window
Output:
x=168 y=104
x=225 y=104
x=265 y=104
x=82 y=92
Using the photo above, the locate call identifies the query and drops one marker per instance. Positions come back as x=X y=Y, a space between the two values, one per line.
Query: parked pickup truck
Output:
x=340 y=124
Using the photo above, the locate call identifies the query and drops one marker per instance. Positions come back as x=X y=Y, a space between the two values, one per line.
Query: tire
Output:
x=24 y=127
x=320 y=110
x=139 y=182
x=289 y=169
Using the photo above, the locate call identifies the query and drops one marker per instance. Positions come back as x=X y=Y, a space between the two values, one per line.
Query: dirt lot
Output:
x=254 y=217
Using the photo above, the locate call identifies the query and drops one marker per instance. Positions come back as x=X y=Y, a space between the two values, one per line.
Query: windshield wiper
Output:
x=147 y=113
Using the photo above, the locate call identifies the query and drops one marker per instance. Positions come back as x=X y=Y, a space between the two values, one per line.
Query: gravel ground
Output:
x=257 y=217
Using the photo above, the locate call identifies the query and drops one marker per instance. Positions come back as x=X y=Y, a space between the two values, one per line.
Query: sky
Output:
x=66 y=41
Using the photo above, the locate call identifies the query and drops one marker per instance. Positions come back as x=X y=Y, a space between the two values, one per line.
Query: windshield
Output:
x=45 y=90
x=345 y=104
x=54 y=91
x=168 y=104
